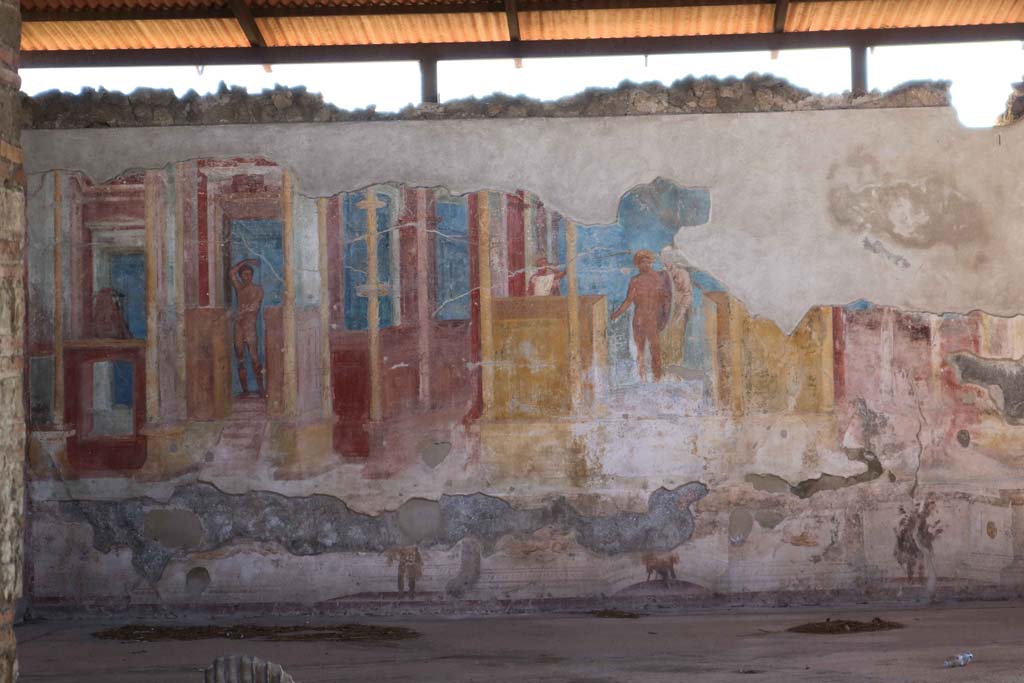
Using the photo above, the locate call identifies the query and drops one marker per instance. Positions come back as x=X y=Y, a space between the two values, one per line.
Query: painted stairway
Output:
x=238 y=448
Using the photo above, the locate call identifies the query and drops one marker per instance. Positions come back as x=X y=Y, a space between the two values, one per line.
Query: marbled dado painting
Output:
x=240 y=394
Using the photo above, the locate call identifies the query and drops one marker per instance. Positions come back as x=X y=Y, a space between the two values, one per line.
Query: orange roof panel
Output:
x=382 y=29
x=879 y=14
x=705 y=20
x=113 y=35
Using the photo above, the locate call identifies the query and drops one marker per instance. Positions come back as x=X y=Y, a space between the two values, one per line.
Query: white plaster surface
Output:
x=771 y=239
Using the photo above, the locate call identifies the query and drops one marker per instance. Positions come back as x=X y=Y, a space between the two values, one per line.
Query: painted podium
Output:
x=545 y=363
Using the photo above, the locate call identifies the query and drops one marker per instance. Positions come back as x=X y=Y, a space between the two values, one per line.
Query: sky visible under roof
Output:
x=981 y=74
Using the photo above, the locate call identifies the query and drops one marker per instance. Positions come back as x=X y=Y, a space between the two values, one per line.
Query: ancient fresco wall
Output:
x=245 y=390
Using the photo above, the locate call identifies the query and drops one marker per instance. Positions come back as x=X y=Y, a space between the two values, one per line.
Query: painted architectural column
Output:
x=154 y=267
x=575 y=364
x=291 y=388
x=370 y=204
x=826 y=383
x=423 y=317
x=486 y=312
x=12 y=334
x=325 y=309
x=58 y=300
x=180 y=357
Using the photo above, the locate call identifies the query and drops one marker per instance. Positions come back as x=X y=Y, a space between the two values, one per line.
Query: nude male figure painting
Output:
x=650 y=295
x=250 y=298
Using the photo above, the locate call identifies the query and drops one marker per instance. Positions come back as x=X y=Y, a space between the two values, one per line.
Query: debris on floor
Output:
x=615 y=614
x=337 y=632
x=245 y=669
x=845 y=626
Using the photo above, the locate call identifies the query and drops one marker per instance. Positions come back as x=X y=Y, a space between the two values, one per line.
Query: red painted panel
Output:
x=516 y=245
x=203 y=241
x=400 y=377
x=85 y=283
x=474 y=311
x=104 y=454
x=350 y=387
x=454 y=381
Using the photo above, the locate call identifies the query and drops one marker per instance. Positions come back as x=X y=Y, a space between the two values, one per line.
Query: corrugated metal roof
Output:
x=108 y=35
x=367 y=4
x=872 y=14
x=646 y=22
x=52 y=5
x=384 y=29
x=452 y=21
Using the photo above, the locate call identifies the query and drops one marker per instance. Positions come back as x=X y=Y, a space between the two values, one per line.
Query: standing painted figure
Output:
x=250 y=298
x=650 y=294
x=410 y=568
x=108 y=315
x=545 y=281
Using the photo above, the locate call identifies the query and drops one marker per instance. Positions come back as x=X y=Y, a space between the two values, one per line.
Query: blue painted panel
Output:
x=859 y=305
x=452 y=256
x=649 y=218
x=664 y=207
x=260 y=240
x=558 y=244
x=40 y=391
x=128 y=278
x=355 y=255
x=123 y=380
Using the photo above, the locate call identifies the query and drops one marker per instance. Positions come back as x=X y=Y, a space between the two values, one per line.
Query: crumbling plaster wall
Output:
x=873 y=493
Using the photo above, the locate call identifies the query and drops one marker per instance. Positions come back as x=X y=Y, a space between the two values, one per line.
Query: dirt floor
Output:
x=704 y=645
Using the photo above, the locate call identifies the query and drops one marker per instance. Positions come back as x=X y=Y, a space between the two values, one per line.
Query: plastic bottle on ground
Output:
x=962 y=659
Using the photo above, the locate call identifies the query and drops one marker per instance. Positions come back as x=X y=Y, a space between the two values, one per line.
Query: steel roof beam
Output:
x=248 y=23
x=512 y=19
x=779 y=17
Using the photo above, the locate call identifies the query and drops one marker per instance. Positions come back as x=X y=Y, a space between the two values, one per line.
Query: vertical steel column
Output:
x=428 y=81
x=859 y=69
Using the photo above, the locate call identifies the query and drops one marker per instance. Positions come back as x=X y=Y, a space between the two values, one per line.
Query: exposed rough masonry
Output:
x=754 y=93
x=12 y=330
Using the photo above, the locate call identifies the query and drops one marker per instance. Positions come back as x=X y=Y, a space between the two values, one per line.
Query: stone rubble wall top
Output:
x=754 y=93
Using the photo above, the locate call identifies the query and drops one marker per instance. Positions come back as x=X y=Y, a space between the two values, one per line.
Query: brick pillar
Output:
x=12 y=337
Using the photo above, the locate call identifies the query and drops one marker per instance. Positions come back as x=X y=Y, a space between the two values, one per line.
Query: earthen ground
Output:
x=705 y=645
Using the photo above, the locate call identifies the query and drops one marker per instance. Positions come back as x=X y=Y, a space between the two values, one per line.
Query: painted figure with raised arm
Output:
x=250 y=298
x=545 y=281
